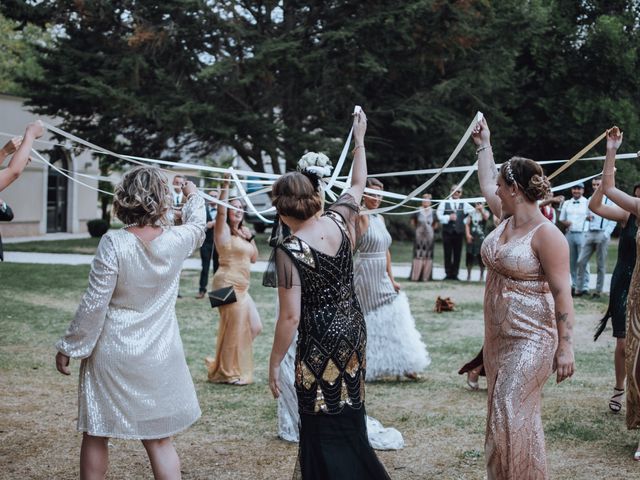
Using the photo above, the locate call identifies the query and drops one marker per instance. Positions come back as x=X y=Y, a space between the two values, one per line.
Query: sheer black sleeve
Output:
x=281 y=270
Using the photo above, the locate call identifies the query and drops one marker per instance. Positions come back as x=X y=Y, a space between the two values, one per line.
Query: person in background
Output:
x=475 y=229
x=573 y=215
x=20 y=149
x=597 y=239
x=6 y=215
x=394 y=345
x=549 y=205
x=423 y=221
x=620 y=280
x=208 y=248
x=451 y=215
x=240 y=321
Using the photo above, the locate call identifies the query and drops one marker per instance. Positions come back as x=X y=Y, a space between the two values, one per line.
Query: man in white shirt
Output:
x=597 y=239
x=573 y=215
x=451 y=215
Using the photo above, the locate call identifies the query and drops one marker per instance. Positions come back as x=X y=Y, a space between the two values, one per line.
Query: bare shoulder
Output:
x=548 y=237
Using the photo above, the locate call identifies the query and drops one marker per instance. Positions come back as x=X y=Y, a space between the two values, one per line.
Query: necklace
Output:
x=513 y=227
x=138 y=225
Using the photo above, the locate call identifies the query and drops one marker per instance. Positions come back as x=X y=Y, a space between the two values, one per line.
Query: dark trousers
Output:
x=452 y=243
x=207 y=253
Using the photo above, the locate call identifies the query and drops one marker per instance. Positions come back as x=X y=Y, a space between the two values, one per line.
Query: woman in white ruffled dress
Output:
x=394 y=345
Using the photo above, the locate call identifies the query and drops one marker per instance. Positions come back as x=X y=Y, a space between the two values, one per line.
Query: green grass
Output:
x=442 y=422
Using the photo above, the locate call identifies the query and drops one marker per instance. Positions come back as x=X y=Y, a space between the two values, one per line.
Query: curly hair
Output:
x=142 y=197
x=528 y=175
x=294 y=195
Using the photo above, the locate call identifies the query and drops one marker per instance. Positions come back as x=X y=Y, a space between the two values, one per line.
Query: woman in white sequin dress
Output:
x=134 y=379
x=528 y=313
x=394 y=345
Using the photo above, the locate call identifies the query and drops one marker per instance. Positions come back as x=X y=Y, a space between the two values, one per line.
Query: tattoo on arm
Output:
x=562 y=317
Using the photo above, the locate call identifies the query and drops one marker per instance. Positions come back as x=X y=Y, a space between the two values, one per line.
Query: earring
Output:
x=513 y=194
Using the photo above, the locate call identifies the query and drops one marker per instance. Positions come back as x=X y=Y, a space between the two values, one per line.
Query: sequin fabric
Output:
x=134 y=380
x=632 y=348
x=330 y=355
x=519 y=347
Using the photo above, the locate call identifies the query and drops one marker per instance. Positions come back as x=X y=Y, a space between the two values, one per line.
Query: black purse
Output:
x=222 y=296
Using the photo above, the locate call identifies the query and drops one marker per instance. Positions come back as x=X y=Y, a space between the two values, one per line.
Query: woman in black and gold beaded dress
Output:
x=314 y=269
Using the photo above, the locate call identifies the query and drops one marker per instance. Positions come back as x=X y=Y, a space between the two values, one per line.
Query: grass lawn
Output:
x=401 y=251
x=442 y=422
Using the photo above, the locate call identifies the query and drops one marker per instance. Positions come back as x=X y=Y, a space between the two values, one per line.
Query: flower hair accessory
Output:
x=509 y=172
x=315 y=163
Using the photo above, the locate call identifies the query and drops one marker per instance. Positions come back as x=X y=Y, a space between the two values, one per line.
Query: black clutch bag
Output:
x=222 y=296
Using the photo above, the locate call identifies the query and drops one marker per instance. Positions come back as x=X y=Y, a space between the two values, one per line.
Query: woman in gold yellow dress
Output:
x=528 y=313
x=632 y=348
x=239 y=321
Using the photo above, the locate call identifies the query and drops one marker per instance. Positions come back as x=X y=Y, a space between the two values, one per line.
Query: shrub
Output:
x=97 y=227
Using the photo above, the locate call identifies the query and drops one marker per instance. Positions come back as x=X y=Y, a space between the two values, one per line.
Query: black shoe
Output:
x=573 y=292
x=583 y=293
x=595 y=295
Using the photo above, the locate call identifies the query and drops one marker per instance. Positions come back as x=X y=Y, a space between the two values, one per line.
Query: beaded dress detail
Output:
x=330 y=360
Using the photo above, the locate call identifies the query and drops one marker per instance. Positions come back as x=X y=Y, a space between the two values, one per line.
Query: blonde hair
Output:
x=142 y=197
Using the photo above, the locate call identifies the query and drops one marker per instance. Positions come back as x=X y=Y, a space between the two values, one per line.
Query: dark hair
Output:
x=635 y=187
x=242 y=205
x=374 y=182
x=294 y=195
x=529 y=177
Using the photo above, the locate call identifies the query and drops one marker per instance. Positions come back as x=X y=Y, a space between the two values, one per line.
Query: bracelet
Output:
x=481 y=148
x=353 y=152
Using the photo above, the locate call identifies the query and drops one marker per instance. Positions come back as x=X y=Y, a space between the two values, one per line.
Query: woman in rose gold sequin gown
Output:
x=528 y=313
x=632 y=348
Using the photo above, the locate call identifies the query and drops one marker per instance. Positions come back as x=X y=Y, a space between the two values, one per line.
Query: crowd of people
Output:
x=342 y=318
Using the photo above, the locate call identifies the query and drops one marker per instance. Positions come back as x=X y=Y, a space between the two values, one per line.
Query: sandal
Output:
x=412 y=376
x=473 y=384
x=238 y=383
x=615 y=405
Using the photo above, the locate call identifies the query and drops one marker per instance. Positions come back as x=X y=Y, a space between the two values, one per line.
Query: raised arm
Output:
x=608 y=185
x=359 y=176
x=610 y=212
x=21 y=157
x=552 y=249
x=194 y=216
x=487 y=170
x=221 y=232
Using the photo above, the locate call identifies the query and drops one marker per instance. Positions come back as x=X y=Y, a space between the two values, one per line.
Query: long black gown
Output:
x=330 y=357
x=620 y=280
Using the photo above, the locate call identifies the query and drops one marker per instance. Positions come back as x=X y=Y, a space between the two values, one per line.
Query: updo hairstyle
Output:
x=294 y=195
x=374 y=182
x=528 y=175
x=142 y=197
